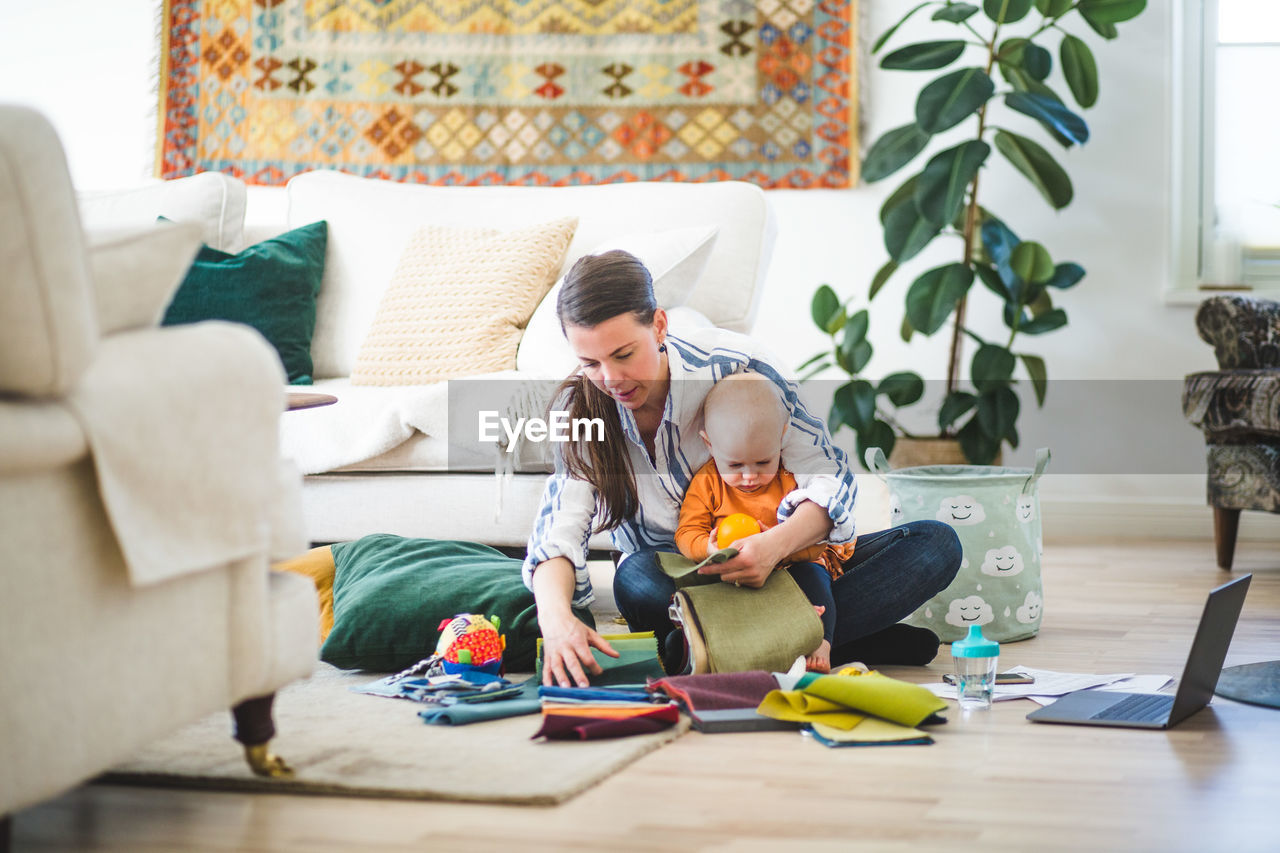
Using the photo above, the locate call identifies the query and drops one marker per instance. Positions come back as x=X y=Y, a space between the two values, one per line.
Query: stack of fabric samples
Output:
x=852 y=708
x=596 y=713
x=457 y=699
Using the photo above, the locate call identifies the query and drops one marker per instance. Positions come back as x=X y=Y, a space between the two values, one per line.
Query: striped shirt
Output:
x=697 y=359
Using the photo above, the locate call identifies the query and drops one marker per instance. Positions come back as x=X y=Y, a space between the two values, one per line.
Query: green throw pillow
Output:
x=390 y=594
x=271 y=286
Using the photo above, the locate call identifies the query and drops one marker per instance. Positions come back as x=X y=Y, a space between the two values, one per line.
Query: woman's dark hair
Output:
x=598 y=288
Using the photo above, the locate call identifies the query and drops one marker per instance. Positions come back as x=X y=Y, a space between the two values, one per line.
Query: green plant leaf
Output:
x=1039 y=376
x=952 y=98
x=992 y=367
x=1030 y=57
x=940 y=193
x=882 y=277
x=988 y=275
x=998 y=413
x=1081 y=71
x=854 y=403
x=1052 y=114
x=1038 y=300
x=1006 y=11
x=978 y=447
x=1065 y=275
x=956 y=12
x=906 y=330
x=902 y=389
x=893 y=150
x=826 y=310
x=1039 y=167
x=906 y=232
x=1000 y=242
x=1112 y=11
x=855 y=329
x=853 y=344
x=888 y=34
x=933 y=296
x=1046 y=322
x=924 y=56
x=878 y=434
x=1054 y=8
x=1031 y=262
x=1107 y=30
x=955 y=405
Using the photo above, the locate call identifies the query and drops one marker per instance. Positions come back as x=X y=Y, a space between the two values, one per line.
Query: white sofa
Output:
x=140 y=497
x=371 y=462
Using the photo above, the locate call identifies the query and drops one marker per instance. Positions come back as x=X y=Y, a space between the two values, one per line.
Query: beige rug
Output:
x=339 y=742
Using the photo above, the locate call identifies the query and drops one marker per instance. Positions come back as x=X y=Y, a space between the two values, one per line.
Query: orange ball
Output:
x=737 y=526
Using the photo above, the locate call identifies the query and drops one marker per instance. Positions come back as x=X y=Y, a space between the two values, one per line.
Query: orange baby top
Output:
x=710 y=500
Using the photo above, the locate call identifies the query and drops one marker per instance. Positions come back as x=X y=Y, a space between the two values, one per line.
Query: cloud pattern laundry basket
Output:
x=995 y=511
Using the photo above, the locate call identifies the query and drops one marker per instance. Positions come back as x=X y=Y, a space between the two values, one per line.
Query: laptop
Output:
x=1160 y=710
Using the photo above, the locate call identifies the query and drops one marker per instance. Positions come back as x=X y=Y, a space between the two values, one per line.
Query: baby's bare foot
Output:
x=819 y=660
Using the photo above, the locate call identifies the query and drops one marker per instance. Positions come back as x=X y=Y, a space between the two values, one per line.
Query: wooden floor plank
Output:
x=993 y=781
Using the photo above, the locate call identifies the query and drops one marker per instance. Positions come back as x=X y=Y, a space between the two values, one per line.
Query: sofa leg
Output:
x=1226 y=522
x=254 y=729
x=6 y=832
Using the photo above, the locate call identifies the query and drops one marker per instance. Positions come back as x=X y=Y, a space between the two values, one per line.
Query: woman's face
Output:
x=620 y=357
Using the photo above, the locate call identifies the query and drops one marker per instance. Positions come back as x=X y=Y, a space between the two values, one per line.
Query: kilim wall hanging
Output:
x=511 y=91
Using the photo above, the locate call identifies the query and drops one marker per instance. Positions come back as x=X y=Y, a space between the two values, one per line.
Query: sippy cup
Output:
x=975 y=666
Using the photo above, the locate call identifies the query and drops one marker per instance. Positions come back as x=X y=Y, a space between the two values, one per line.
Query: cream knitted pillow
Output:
x=459 y=301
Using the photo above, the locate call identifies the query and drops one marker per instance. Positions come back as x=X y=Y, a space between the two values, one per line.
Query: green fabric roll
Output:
x=744 y=629
x=390 y=594
x=271 y=286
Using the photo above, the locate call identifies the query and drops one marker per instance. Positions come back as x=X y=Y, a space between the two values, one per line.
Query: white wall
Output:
x=93 y=74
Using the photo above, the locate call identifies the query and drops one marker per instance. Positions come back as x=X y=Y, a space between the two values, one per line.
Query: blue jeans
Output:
x=891 y=573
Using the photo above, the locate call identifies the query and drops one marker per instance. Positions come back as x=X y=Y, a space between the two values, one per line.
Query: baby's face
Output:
x=747 y=462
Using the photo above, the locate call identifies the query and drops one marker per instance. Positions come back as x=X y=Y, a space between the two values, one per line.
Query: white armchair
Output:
x=140 y=497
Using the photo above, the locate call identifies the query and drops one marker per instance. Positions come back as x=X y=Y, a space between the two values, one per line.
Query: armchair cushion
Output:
x=135 y=273
x=1234 y=403
x=1244 y=331
x=271 y=286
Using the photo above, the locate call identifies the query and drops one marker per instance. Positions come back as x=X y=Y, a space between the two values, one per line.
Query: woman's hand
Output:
x=566 y=642
x=756 y=559
x=566 y=653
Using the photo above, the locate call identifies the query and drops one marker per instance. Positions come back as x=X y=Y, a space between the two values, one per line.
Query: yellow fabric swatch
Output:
x=870 y=730
x=798 y=707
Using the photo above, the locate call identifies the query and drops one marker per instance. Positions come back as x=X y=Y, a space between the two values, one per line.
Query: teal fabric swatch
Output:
x=271 y=286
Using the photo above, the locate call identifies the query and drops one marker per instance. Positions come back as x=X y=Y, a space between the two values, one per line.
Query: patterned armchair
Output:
x=1238 y=408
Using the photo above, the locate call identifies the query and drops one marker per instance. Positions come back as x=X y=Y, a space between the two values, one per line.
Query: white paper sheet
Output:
x=1049 y=685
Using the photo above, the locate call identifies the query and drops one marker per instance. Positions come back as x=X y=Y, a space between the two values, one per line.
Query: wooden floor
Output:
x=993 y=781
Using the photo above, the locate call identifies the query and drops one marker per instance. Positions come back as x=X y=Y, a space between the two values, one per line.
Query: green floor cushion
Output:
x=391 y=593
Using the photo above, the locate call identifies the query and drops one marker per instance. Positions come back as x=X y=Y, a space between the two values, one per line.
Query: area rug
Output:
x=1254 y=683
x=344 y=743
x=511 y=91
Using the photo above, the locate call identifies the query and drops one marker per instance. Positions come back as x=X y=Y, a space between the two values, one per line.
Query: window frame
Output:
x=1192 y=207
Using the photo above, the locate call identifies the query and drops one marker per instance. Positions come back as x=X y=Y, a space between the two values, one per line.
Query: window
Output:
x=1227 y=157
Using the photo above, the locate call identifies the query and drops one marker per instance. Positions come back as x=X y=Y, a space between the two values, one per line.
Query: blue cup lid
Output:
x=975 y=645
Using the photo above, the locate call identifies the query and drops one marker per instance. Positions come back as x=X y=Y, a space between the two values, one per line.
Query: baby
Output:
x=744 y=421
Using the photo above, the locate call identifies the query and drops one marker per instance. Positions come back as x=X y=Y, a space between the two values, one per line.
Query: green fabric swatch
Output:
x=464 y=713
x=637 y=661
x=870 y=693
x=271 y=286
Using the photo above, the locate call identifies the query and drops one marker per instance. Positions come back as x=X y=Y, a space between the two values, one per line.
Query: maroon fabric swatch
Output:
x=564 y=727
x=717 y=691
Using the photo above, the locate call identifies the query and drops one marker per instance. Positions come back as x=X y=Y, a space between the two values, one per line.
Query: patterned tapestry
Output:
x=511 y=91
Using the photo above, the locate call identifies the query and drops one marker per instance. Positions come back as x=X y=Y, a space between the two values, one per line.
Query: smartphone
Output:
x=1001 y=678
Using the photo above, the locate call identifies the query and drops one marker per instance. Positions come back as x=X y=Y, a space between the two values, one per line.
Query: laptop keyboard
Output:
x=1137 y=707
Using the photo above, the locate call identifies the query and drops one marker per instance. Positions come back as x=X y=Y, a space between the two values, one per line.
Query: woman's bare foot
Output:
x=819 y=660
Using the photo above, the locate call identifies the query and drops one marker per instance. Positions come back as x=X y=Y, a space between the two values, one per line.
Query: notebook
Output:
x=1160 y=710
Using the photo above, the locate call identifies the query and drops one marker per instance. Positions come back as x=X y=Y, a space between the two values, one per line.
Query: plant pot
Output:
x=910 y=452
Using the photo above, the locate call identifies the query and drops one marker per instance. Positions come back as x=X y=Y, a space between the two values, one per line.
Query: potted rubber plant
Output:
x=1003 y=53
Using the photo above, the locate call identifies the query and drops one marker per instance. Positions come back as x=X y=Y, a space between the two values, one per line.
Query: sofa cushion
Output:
x=368 y=215
x=212 y=200
x=674 y=258
x=136 y=272
x=390 y=595
x=459 y=301
x=271 y=286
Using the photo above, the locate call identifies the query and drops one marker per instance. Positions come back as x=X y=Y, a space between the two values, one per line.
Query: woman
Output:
x=647 y=386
